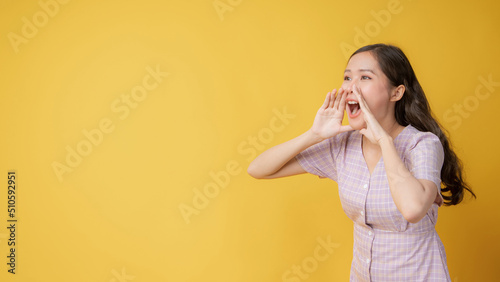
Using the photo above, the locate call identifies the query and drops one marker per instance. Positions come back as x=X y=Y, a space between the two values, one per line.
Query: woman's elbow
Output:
x=414 y=218
x=413 y=215
x=253 y=172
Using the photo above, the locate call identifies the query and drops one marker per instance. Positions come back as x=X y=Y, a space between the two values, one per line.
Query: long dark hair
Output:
x=414 y=109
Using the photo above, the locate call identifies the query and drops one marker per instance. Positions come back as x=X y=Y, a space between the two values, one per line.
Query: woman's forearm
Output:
x=273 y=159
x=412 y=198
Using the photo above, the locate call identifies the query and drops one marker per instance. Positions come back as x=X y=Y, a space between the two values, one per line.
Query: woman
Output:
x=393 y=163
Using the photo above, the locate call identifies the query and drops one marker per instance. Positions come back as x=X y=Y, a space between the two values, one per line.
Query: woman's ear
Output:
x=397 y=93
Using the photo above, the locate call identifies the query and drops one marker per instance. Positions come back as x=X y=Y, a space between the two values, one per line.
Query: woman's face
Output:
x=363 y=71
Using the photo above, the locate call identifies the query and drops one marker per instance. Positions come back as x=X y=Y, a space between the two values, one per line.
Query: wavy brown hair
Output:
x=413 y=108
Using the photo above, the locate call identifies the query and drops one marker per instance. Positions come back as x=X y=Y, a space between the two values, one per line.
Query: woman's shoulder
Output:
x=411 y=138
x=412 y=135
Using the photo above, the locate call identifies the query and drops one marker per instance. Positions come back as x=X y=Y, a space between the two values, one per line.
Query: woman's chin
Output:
x=357 y=124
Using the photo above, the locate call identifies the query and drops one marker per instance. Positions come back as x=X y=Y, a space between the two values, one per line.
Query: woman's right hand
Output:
x=280 y=161
x=328 y=120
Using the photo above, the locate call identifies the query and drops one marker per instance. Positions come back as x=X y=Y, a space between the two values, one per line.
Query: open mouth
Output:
x=353 y=108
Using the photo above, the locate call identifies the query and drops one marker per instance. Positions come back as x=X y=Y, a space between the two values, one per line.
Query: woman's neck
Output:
x=394 y=129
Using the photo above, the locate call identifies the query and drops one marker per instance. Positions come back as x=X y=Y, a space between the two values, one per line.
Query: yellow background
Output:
x=117 y=214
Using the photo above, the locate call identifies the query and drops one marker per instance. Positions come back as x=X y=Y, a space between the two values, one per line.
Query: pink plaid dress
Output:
x=386 y=246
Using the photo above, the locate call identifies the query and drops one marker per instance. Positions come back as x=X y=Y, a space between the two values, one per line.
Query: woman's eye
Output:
x=347 y=78
x=365 y=77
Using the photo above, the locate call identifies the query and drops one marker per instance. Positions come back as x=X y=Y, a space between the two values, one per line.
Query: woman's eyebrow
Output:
x=368 y=70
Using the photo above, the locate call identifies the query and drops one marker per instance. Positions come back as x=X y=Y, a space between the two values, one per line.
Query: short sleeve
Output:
x=426 y=159
x=319 y=159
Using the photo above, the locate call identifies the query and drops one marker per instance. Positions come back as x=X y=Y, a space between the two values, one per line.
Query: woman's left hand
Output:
x=373 y=131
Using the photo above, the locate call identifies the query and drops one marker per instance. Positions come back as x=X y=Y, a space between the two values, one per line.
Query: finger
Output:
x=332 y=98
x=345 y=128
x=367 y=115
x=326 y=102
x=337 y=98
x=357 y=93
x=342 y=100
x=361 y=99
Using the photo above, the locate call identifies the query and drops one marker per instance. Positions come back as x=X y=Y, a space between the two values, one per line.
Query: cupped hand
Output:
x=328 y=120
x=373 y=131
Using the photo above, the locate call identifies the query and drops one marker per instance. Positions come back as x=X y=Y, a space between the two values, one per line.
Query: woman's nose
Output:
x=350 y=87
